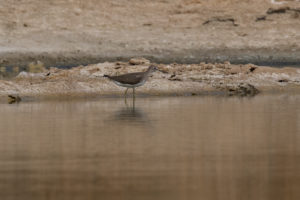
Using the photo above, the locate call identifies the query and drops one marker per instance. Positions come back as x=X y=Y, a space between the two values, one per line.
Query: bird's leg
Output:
x=126 y=102
x=133 y=94
x=126 y=92
x=133 y=99
x=125 y=95
x=133 y=104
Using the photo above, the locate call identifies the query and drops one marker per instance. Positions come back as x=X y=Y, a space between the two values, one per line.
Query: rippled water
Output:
x=164 y=148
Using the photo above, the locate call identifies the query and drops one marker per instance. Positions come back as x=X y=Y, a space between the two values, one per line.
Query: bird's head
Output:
x=152 y=68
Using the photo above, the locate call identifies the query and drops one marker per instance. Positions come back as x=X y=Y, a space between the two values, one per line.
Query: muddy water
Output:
x=164 y=148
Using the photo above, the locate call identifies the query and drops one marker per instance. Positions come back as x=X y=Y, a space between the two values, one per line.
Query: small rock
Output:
x=252 y=68
x=277 y=10
x=221 y=19
x=283 y=81
x=120 y=63
x=24 y=74
x=174 y=78
x=14 y=98
x=242 y=89
x=261 y=18
x=138 y=61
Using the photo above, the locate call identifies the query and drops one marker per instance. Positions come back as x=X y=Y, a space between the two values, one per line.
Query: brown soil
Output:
x=70 y=32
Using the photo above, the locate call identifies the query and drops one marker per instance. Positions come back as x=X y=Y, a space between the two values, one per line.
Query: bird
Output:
x=132 y=80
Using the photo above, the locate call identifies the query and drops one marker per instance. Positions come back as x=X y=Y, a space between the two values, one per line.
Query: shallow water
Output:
x=164 y=148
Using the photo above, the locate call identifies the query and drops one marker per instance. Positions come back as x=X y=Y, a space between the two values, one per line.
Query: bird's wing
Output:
x=132 y=78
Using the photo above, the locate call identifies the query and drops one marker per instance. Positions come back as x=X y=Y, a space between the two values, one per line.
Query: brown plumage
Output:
x=132 y=80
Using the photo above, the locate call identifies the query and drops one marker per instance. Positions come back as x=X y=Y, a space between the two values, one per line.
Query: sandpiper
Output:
x=132 y=80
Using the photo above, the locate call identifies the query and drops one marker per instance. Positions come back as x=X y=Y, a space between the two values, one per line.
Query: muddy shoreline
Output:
x=266 y=57
x=170 y=80
x=201 y=47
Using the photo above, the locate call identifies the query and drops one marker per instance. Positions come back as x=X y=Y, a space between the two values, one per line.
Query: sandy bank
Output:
x=173 y=79
x=74 y=32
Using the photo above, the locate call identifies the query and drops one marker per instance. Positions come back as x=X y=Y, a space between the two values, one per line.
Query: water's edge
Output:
x=266 y=57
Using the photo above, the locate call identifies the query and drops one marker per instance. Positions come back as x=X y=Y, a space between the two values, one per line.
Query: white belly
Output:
x=130 y=86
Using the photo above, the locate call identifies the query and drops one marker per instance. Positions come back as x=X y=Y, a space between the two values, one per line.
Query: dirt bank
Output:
x=70 y=32
x=174 y=79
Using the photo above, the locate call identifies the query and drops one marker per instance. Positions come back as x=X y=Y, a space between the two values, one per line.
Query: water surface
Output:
x=163 y=148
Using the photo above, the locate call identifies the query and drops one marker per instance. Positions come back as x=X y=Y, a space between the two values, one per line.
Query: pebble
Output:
x=138 y=61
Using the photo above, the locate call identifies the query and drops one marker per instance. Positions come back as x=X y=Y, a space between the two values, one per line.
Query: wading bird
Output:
x=132 y=80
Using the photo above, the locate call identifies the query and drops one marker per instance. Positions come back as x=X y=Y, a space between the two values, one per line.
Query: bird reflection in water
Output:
x=131 y=114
